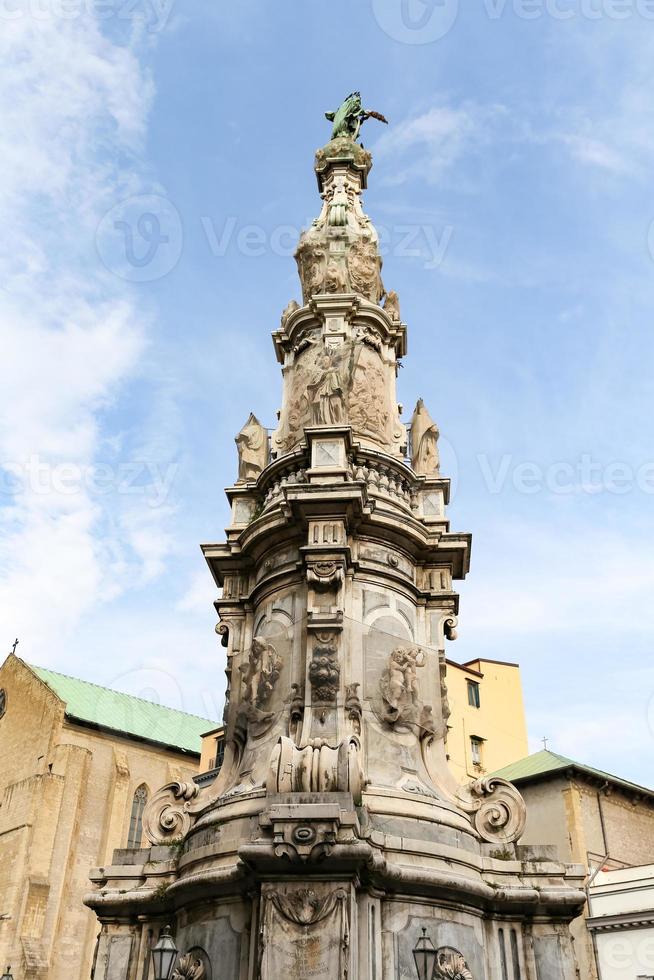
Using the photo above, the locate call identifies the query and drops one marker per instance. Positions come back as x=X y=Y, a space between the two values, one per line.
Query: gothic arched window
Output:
x=136 y=820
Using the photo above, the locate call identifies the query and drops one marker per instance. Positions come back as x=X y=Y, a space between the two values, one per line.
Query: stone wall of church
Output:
x=66 y=794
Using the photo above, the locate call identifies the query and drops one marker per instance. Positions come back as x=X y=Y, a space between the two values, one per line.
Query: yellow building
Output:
x=487 y=728
x=77 y=765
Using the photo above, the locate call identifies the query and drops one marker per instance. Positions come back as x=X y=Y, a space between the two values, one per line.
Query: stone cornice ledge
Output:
x=628 y=920
x=561 y=903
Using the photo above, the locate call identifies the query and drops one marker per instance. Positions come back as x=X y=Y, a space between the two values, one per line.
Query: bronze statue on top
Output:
x=350 y=115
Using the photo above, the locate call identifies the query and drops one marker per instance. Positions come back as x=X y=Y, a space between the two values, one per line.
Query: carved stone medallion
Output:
x=189 y=968
x=451 y=965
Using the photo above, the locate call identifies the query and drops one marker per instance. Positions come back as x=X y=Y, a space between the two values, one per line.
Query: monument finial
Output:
x=350 y=115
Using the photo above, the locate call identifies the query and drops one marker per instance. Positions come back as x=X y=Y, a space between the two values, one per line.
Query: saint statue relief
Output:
x=326 y=391
x=252 y=445
x=260 y=673
x=425 y=458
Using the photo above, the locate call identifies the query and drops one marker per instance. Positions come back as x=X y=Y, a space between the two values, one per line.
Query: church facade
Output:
x=78 y=763
x=336 y=841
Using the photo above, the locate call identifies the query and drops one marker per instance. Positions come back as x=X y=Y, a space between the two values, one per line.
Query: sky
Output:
x=157 y=170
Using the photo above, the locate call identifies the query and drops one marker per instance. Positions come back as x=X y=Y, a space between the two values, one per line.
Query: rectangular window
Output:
x=476 y=750
x=220 y=752
x=473 y=694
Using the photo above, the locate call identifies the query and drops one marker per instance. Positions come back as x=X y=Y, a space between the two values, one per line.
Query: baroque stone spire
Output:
x=341 y=348
x=338 y=598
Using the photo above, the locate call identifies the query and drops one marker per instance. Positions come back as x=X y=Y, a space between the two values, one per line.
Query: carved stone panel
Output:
x=340 y=382
x=305 y=932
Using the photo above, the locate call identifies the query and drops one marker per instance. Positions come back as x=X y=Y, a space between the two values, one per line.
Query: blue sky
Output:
x=513 y=188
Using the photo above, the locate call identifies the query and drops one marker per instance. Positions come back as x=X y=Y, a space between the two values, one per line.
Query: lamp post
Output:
x=424 y=955
x=164 y=955
x=7 y=975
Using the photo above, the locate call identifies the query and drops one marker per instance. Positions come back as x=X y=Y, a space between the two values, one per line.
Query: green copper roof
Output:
x=124 y=713
x=546 y=763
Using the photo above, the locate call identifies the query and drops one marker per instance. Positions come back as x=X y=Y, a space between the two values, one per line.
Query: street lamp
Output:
x=7 y=975
x=425 y=957
x=164 y=955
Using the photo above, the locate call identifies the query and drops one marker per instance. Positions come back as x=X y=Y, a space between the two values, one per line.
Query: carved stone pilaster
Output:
x=353 y=707
x=296 y=711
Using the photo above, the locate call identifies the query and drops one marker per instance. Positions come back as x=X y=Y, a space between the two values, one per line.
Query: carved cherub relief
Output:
x=399 y=684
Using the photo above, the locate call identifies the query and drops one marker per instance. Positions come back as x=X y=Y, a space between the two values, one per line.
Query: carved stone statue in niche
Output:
x=425 y=458
x=325 y=390
x=399 y=685
x=392 y=305
x=451 y=965
x=261 y=672
x=252 y=445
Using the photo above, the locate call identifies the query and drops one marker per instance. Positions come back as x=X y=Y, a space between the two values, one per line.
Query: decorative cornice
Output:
x=628 y=920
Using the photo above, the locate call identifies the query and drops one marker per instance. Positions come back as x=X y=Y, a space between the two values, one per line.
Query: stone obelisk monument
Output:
x=335 y=843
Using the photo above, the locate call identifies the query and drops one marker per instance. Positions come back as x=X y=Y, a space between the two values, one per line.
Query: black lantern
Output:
x=7 y=975
x=425 y=957
x=164 y=955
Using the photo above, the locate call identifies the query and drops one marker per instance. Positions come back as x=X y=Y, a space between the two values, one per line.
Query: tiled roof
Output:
x=125 y=713
x=545 y=763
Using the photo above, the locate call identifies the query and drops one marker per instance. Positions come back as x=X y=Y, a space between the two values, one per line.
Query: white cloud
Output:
x=74 y=107
x=428 y=145
x=561 y=579
x=200 y=593
x=587 y=150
